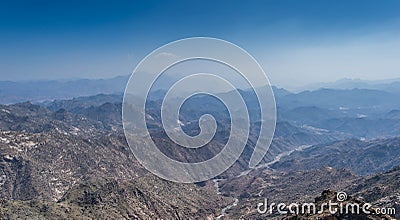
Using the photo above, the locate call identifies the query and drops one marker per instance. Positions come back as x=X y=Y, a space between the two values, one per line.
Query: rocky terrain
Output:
x=362 y=157
x=62 y=165
x=143 y=198
x=380 y=190
x=69 y=159
x=331 y=196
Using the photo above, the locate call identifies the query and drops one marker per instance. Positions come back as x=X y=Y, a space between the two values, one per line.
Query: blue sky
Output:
x=297 y=42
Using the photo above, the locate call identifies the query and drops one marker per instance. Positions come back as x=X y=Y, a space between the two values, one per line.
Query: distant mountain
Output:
x=389 y=85
x=344 y=99
x=82 y=102
x=363 y=126
x=362 y=113
x=40 y=91
x=280 y=92
x=369 y=125
x=310 y=115
x=394 y=114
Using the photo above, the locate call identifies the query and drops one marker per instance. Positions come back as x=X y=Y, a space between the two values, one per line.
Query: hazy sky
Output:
x=297 y=42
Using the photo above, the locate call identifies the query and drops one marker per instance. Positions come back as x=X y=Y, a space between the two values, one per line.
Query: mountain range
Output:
x=64 y=156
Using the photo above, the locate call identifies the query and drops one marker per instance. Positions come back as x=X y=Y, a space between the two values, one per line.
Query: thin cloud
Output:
x=166 y=55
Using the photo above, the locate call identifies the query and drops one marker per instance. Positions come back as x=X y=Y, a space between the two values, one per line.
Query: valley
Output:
x=69 y=159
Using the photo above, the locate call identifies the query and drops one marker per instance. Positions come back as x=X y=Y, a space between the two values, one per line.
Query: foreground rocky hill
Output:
x=340 y=213
x=54 y=175
x=381 y=190
x=101 y=198
x=46 y=165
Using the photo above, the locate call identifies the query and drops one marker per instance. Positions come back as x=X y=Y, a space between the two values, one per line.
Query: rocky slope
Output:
x=362 y=157
x=340 y=213
x=380 y=190
x=103 y=198
x=71 y=160
x=64 y=165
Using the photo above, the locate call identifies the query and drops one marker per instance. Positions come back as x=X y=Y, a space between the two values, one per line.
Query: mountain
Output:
x=381 y=190
x=28 y=117
x=310 y=115
x=389 y=85
x=362 y=113
x=362 y=157
x=336 y=98
x=88 y=119
x=40 y=91
x=104 y=198
x=83 y=118
x=70 y=159
x=332 y=196
x=368 y=171
x=45 y=165
x=75 y=104
x=394 y=114
x=58 y=165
